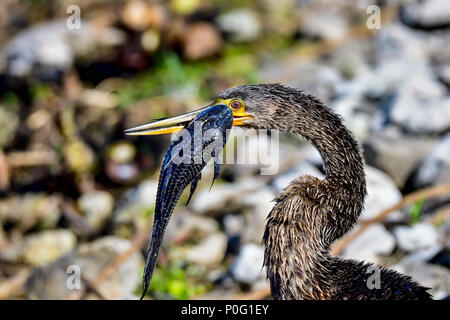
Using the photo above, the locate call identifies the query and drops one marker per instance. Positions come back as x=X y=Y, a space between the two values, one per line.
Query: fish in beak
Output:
x=203 y=135
x=175 y=124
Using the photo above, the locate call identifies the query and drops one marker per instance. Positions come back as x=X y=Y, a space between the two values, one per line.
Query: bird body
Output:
x=310 y=214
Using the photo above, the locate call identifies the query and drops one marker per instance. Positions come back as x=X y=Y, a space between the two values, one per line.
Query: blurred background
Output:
x=77 y=196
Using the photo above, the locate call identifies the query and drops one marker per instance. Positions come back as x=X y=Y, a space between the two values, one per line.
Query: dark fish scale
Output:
x=174 y=178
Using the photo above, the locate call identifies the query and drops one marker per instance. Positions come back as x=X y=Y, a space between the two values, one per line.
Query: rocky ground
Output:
x=74 y=191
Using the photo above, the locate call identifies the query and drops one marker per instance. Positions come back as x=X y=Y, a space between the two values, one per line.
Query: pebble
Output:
x=435 y=168
x=428 y=275
x=419 y=236
x=209 y=252
x=201 y=40
x=97 y=207
x=396 y=154
x=248 y=265
x=47 y=246
x=426 y=14
x=259 y=204
x=51 y=281
x=248 y=27
x=374 y=241
x=381 y=194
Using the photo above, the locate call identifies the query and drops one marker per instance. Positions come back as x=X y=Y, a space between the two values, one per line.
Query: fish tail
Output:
x=153 y=251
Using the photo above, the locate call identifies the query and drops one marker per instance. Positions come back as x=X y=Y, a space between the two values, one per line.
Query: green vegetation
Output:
x=175 y=281
x=416 y=211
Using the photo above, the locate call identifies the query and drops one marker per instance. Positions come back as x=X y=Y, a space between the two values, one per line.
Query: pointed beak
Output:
x=177 y=123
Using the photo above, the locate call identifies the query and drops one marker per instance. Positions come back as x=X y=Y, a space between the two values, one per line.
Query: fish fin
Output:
x=216 y=172
x=194 y=186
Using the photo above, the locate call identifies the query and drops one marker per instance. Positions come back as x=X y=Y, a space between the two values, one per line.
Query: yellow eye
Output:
x=236 y=104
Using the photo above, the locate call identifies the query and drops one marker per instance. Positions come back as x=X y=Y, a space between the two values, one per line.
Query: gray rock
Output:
x=248 y=266
x=184 y=223
x=97 y=207
x=209 y=252
x=352 y=59
x=325 y=24
x=136 y=202
x=259 y=204
x=428 y=275
x=316 y=78
x=435 y=168
x=31 y=208
x=398 y=42
x=419 y=236
x=221 y=195
x=48 y=48
x=397 y=155
x=233 y=224
x=382 y=194
x=50 y=282
x=349 y=107
x=47 y=246
x=427 y=14
x=374 y=241
x=421 y=106
x=443 y=72
x=248 y=27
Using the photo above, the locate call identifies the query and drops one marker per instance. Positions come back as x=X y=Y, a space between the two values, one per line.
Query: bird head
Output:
x=251 y=105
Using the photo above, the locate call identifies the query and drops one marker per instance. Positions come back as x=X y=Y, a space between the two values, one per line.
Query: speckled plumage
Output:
x=310 y=214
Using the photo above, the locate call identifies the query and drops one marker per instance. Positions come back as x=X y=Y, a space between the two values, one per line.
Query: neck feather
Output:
x=311 y=214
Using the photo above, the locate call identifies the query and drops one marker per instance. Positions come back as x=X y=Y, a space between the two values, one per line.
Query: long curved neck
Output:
x=339 y=150
x=311 y=214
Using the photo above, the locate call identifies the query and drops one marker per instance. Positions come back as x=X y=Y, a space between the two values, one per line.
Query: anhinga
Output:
x=310 y=214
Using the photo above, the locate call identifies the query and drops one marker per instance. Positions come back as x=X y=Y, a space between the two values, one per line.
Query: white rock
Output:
x=248 y=266
x=93 y=257
x=50 y=281
x=317 y=79
x=358 y=123
x=137 y=201
x=261 y=203
x=419 y=236
x=47 y=246
x=428 y=275
x=210 y=251
x=327 y=24
x=427 y=14
x=233 y=224
x=435 y=163
x=97 y=206
x=184 y=223
x=397 y=41
x=220 y=195
x=422 y=110
x=375 y=240
x=248 y=27
x=382 y=194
